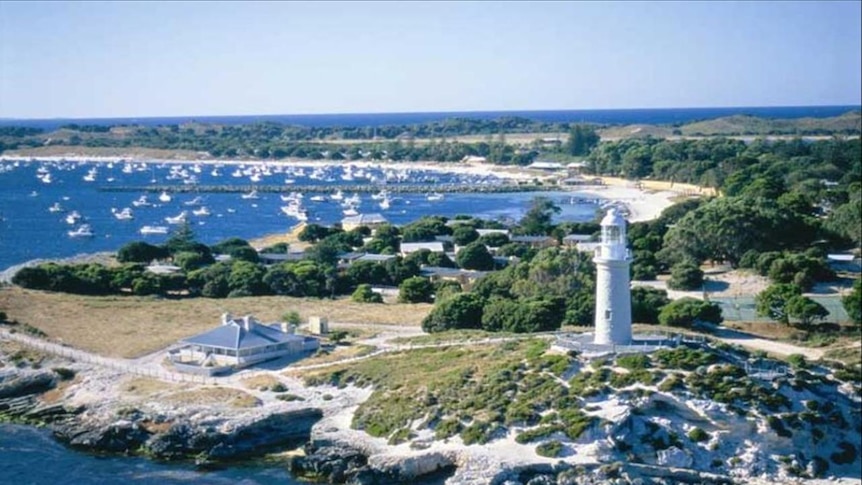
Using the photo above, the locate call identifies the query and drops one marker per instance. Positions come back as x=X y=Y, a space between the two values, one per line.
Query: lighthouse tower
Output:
x=613 y=295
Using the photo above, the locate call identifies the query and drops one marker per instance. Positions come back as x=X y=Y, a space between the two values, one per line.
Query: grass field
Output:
x=127 y=326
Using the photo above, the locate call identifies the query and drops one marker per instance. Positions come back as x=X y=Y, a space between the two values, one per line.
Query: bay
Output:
x=29 y=230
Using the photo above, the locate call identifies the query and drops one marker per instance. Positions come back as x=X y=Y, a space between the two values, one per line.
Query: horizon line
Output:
x=349 y=113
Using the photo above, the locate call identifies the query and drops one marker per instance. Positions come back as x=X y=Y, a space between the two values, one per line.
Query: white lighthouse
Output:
x=613 y=295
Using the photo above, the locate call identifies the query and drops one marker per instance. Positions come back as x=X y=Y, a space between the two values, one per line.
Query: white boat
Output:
x=196 y=201
x=45 y=178
x=154 y=230
x=295 y=210
x=73 y=218
x=339 y=195
x=250 y=195
x=350 y=211
x=91 y=175
x=385 y=203
x=123 y=215
x=435 y=196
x=179 y=219
x=318 y=198
x=164 y=197
x=56 y=208
x=141 y=202
x=292 y=197
x=82 y=231
x=201 y=211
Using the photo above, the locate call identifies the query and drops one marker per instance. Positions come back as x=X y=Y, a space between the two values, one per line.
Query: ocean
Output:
x=30 y=230
x=31 y=456
x=600 y=116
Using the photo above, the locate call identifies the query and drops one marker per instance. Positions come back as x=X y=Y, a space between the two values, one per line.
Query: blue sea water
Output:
x=30 y=456
x=601 y=116
x=28 y=230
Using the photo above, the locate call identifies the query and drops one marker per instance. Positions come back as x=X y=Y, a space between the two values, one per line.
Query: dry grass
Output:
x=339 y=353
x=259 y=382
x=145 y=386
x=212 y=396
x=54 y=395
x=125 y=152
x=128 y=326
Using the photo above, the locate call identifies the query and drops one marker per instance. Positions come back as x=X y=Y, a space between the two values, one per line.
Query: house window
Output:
x=607 y=314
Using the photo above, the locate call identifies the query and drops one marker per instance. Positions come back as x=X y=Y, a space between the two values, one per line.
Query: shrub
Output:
x=447 y=428
x=550 y=449
x=63 y=373
x=364 y=294
x=846 y=456
x=416 y=290
x=697 y=435
x=684 y=312
x=633 y=361
x=685 y=276
x=797 y=361
x=289 y=397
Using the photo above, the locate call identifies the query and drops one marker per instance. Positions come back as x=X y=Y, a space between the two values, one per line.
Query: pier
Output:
x=364 y=188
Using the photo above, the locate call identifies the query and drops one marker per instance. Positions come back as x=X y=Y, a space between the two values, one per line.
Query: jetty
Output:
x=324 y=189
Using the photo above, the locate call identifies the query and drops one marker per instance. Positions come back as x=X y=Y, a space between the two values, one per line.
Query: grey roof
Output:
x=433 y=246
x=530 y=239
x=578 y=237
x=375 y=257
x=450 y=272
x=361 y=219
x=275 y=257
x=235 y=335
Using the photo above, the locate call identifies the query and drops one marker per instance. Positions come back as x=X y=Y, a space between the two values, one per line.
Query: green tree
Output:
x=140 y=252
x=190 y=261
x=852 y=302
x=806 y=310
x=313 y=233
x=369 y=272
x=494 y=239
x=582 y=139
x=182 y=239
x=772 y=302
x=463 y=235
x=364 y=294
x=246 y=279
x=463 y=310
x=685 y=312
x=685 y=276
x=475 y=256
x=538 y=218
x=416 y=290
x=647 y=303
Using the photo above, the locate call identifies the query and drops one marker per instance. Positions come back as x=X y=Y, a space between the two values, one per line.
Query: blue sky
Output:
x=115 y=59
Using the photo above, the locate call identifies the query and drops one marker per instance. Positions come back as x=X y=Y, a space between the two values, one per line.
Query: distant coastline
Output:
x=597 y=116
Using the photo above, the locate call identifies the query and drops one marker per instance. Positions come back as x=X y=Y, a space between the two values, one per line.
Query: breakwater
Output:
x=362 y=189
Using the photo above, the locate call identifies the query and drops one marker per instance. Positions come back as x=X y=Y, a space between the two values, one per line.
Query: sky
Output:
x=128 y=59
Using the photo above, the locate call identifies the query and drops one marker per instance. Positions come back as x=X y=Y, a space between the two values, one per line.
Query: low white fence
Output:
x=121 y=365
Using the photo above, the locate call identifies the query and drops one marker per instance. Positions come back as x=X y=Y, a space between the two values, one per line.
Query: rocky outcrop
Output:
x=180 y=437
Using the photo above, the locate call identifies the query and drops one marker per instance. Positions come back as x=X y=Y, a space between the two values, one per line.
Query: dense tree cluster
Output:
x=556 y=286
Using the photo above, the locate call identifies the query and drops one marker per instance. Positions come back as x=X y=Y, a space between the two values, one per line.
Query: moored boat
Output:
x=83 y=230
x=154 y=230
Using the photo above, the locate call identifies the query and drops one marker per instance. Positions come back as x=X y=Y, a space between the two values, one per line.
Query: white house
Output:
x=239 y=342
